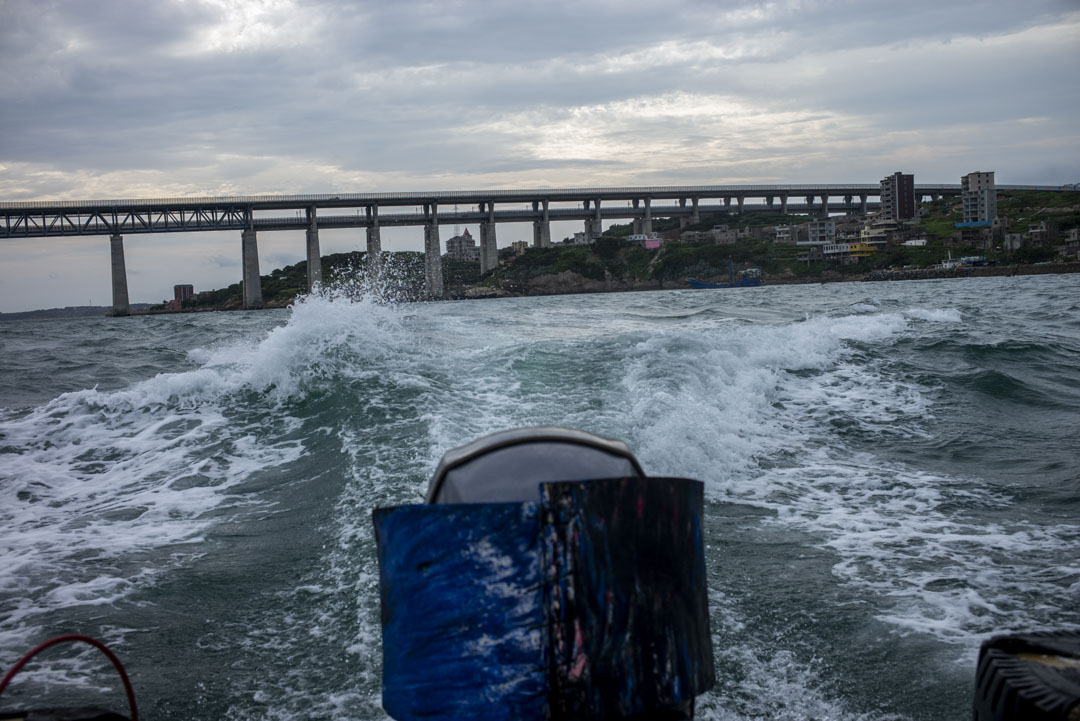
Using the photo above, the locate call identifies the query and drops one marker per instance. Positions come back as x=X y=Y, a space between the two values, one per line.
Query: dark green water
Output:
x=890 y=474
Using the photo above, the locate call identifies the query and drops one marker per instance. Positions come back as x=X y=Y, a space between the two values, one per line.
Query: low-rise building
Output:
x=725 y=235
x=696 y=236
x=1013 y=241
x=785 y=234
x=819 y=232
x=846 y=253
x=1070 y=246
x=1038 y=235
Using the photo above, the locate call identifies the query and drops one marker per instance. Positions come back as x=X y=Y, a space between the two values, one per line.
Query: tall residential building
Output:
x=183 y=292
x=898 y=197
x=978 y=196
x=462 y=247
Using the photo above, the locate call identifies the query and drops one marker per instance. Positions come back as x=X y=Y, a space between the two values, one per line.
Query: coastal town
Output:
x=987 y=229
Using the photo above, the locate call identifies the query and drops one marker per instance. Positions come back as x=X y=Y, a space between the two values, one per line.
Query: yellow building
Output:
x=859 y=251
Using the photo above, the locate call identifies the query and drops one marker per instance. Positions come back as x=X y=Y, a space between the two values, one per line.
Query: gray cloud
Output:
x=223 y=261
x=126 y=99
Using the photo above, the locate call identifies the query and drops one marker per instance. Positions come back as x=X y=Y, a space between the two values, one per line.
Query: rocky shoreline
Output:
x=569 y=282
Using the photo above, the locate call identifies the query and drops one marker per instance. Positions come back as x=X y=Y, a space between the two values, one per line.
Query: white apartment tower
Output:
x=978 y=196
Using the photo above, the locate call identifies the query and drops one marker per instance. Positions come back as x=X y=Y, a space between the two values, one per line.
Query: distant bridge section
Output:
x=250 y=214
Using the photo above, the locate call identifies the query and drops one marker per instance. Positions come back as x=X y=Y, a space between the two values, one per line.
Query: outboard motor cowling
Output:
x=547 y=578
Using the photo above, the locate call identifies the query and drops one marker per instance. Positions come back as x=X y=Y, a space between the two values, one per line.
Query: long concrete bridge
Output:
x=540 y=206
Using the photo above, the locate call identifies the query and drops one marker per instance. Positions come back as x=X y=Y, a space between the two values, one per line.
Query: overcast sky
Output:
x=110 y=99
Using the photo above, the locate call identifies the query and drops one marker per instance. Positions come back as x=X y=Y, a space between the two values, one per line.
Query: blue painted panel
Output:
x=462 y=612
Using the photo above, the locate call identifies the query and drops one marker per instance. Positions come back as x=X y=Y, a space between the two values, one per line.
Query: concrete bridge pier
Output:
x=545 y=227
x=314 y=259
x=536 y=226
x=120 y=305
x=824 y=206
x=252 y=283
x=593 y=225
x=768 y=201
x=541 y=226
x=683 y=221
x=432 y=253
x=695 y=216
x=862 y=204
x=489 y=250
x=636 y=223
x=935 y=196
x=646 y=227
x=374 y=241
x=783 y=204
x=741 y=199
x=727 y=202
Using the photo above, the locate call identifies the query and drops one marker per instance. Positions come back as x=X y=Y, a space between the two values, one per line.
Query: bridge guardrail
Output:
x=474 y=195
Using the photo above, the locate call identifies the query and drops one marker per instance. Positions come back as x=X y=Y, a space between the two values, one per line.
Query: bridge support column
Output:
x=314 y=259
x=374 y=241
x=683 y=222
x=594 y=224
x=935 y=197
x=741 y=199
x=541 y=226
x=646 y=227
x=783 y=204
x=249 y=248
x=120 y=305
x=489 y=250
x=824 y=206
x=433 y=254
x=862 y=204
x=545 y=227
x=727 y=201
x=695 y=216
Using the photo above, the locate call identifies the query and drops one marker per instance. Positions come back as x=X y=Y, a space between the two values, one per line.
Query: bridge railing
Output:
x=470 y=195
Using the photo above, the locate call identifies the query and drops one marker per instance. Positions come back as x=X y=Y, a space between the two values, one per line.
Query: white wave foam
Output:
x=93 y=480
x=773 y=416
x=935 y=315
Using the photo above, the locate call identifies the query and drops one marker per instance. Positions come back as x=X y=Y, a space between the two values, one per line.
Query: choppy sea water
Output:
x=891 y=476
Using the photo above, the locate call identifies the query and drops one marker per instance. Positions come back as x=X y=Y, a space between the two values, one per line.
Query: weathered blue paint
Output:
x=626 y=593
x=591 y=604
x=462 y=612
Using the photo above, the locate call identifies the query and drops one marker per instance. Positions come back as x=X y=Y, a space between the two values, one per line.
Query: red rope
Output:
x=85 y=639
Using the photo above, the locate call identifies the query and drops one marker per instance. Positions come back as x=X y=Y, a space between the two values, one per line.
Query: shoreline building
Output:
x=463 y=247
x=898 y=197
x=978 y=197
